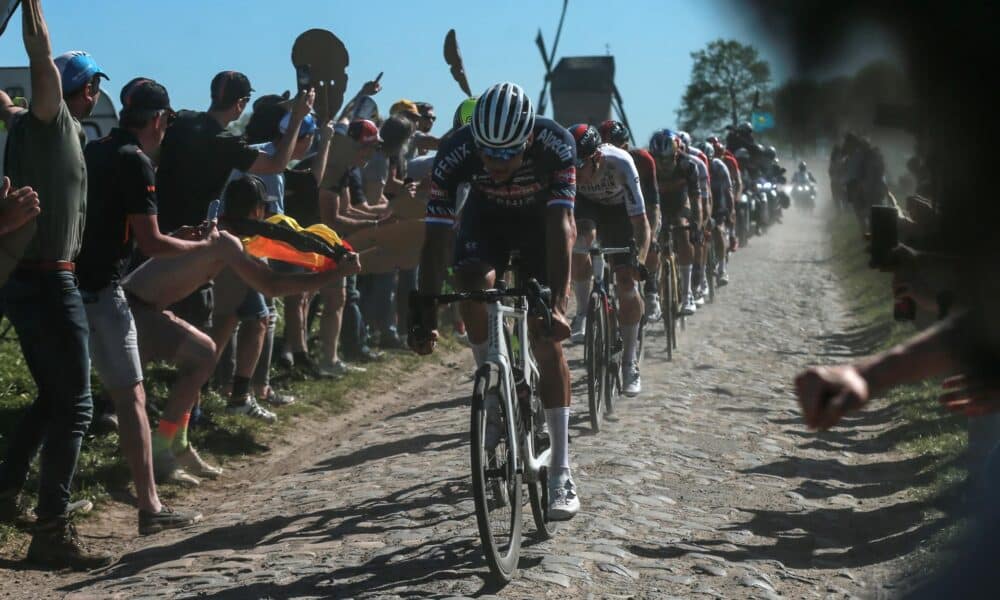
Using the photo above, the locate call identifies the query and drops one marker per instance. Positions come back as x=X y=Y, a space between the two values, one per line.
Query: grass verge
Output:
x=926 y=429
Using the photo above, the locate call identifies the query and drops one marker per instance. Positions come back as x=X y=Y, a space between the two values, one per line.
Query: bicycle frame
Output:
x=498 y=354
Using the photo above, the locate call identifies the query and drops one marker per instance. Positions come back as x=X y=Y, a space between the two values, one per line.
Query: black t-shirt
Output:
x=196 y=160
x=302 y=196
x=122 y=182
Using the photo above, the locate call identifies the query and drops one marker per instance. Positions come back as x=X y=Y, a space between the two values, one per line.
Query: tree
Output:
x=728 y=80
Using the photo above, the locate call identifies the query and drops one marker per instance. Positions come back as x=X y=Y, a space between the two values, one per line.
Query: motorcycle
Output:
x=743 y=212
x=804 y=196
x=760 y=206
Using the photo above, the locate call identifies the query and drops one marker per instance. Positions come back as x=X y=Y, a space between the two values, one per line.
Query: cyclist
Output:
x=699 y=285
x=723 y=203
x=733 y=166
x=616 y=134
x=609 y=202
x=522 y=173
x=680 y=204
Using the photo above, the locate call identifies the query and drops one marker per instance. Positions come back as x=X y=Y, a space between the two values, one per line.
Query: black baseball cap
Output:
x=228 y=87
x=143 y=93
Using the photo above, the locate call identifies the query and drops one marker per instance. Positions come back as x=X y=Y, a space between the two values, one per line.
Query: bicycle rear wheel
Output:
x=595 y=357
x=496 y=485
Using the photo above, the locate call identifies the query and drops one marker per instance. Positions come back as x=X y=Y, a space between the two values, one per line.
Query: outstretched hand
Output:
x=826 y=394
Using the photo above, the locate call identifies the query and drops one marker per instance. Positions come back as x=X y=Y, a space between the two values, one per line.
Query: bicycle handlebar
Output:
x=423 y=307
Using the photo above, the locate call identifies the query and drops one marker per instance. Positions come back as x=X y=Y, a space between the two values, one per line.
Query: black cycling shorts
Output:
x=487 y=234
x=614 y=227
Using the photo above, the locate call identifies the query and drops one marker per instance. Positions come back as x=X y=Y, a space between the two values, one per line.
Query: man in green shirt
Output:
x=41 y=299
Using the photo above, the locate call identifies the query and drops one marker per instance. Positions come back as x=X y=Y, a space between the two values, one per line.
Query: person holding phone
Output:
x=122 y=212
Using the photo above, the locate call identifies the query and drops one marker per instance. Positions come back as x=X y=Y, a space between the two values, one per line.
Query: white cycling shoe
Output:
x=688 y=307
x=633 y=383
x=578 y=328
x=563 y=501
x=653 y=308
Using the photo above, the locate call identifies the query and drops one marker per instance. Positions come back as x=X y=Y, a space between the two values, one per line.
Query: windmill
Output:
x=583 y=87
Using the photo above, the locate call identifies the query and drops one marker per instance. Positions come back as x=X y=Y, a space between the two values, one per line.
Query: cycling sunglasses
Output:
x=502 y=153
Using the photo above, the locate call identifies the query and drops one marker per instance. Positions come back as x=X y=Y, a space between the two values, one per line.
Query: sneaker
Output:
x=165 y=470
x=653 y=308
x=366 y=354
x=563 y=501
x=633 y=383
x=494 y=423
x=578 y=328
x=688 y=307
x=56 y=544
x=339 y=369
x=306 y=368
x=278 y=399
x=250 y=408
x=285 y=360
x=723 y=279
x=189 y=460
x=167 y=518
x=391 y=341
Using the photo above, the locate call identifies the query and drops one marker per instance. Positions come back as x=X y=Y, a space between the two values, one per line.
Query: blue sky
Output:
x=183 y=43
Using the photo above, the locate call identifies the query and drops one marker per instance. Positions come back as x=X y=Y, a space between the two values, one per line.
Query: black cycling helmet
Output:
x=802 y=166
x=614 y=132
x=744 y=128
x=771 y=152
x=587 y=140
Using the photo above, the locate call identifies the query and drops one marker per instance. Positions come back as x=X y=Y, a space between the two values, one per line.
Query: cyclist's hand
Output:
x=827 y=393
x=423 y=346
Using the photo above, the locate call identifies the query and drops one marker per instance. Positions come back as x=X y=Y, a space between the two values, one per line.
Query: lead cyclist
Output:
x=522 y=176
x=610 y=205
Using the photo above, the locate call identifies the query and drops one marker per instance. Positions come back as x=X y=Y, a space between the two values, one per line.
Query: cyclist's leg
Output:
x=653 y=255
x=479 y=250
x=685 y=255
x=586 y=233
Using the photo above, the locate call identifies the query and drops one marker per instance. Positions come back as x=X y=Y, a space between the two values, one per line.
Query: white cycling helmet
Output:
x=503 y=117
x=685 y=138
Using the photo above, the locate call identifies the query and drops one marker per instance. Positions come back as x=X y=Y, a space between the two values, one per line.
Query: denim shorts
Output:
x=253 y=307
x=114 y=345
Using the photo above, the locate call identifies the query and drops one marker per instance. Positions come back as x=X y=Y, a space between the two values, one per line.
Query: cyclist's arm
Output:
x=636 y=205
x=447 y=172
x=693 y=192
x=560 y=232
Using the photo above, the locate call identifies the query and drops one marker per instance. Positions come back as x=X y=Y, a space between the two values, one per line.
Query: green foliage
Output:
x=726 y=79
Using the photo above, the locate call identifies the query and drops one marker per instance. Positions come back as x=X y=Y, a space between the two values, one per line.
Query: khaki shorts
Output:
x=114 y=346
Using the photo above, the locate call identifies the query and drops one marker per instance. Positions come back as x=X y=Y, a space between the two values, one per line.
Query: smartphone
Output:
x=303 y=77
x=885 y=235
x=213 y=211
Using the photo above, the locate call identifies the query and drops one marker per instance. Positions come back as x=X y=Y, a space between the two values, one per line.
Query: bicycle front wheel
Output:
x=595 y=356
x=496 y=485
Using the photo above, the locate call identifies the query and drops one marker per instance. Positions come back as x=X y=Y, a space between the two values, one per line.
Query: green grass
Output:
x=925 y=428
x=102 y=472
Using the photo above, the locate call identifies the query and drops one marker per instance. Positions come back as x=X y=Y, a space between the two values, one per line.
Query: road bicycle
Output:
x=505 y=398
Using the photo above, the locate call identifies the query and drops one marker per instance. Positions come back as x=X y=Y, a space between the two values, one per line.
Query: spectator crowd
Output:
x=159 y=241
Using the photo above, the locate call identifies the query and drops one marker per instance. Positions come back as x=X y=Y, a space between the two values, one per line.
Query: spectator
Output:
x=122 y=214
x=197 y=158
x=161 y=282
x=41 y=298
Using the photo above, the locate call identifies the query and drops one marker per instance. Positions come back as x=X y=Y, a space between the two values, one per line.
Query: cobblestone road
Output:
x=706 y=485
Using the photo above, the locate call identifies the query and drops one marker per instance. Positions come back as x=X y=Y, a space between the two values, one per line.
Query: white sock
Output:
x=630 y=335
x=582 y=291
x=558 y=422
x=685 y=281
x=479 y=352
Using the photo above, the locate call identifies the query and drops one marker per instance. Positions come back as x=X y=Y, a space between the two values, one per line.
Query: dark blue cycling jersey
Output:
x=547 y=176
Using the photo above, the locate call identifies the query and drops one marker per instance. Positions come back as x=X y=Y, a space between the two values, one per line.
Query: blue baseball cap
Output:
x=76 y=69
x=308 y=126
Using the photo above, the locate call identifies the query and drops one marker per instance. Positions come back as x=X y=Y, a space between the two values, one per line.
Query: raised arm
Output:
x=46 y=87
